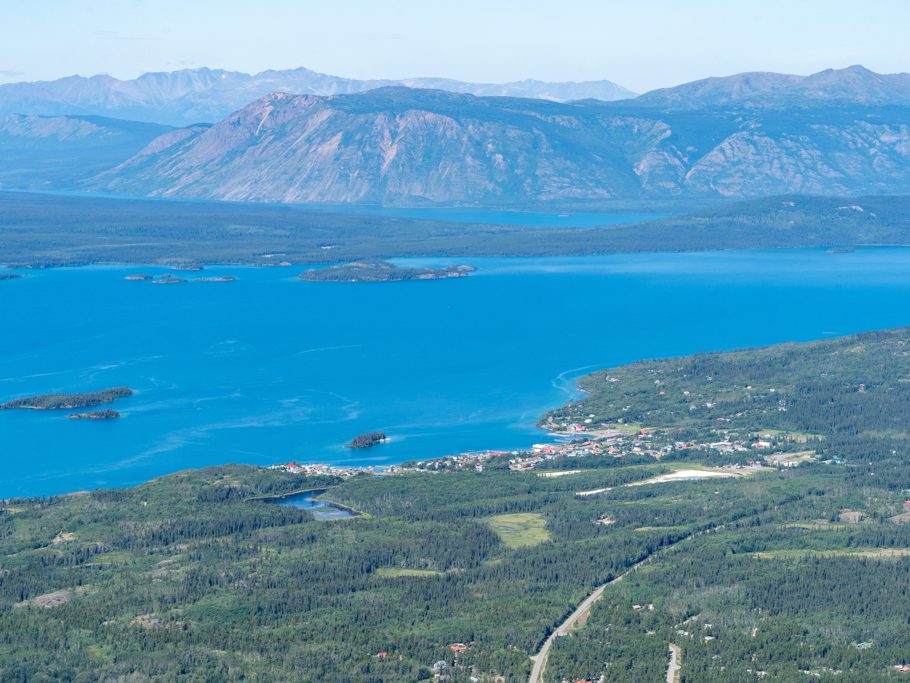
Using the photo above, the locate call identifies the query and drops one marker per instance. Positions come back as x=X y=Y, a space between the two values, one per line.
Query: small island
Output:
x=96 y=415
x=368 y=440
x=138 y=277
x=381 y=271
x=168 y=280
x=217 y=278
x=67 y=401
x=9 y=276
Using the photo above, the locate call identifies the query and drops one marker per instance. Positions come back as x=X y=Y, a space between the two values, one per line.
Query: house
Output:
x=458 y=647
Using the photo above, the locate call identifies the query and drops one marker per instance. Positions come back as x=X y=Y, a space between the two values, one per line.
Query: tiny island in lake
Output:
x=67 y=401
x=107 y=414
x=368 y=440
x=216 y=278
x=169 y=279
x=9 y=276
x=381 y=271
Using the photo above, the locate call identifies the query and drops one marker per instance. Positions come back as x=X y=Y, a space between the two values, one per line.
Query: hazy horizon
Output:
x=656 y=44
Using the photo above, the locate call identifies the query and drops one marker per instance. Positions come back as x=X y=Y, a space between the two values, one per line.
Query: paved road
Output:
x=579 y=615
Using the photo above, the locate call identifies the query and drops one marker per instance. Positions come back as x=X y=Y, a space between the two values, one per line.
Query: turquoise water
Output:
x=319 y=509
x=270 y=369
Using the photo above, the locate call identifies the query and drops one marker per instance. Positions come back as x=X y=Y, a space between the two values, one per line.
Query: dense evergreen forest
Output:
x=68 y=401
x=47 y=230
x=367 y=440
x=783 y=574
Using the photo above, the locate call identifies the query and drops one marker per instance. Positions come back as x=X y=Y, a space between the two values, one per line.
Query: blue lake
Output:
x=270 y=369
x=320 y=510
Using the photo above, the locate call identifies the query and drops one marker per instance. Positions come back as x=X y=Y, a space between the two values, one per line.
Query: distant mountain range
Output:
x=838 y=132
x=403 y=146
x=206 y=95
x=854 y=85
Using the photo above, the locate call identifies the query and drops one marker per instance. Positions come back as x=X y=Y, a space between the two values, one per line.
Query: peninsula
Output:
x=381 y=271
x=67 y=401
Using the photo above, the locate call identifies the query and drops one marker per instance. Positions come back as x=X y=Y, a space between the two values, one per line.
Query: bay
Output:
x=270 y=369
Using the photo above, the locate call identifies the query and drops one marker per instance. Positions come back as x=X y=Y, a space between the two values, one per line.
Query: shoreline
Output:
x=572 y=440
x=829 y=250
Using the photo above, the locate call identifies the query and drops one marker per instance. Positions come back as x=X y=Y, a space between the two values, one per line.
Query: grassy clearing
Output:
x=798 y=437
x=520 y=529
x=627 y=428
x=802 y=553
x=665 y=529
x=396 y=572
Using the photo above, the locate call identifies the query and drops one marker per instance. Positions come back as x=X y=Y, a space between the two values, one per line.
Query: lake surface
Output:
x=271 y=369
x=318 y=508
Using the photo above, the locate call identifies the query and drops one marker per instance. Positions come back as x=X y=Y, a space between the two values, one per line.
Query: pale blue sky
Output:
x=641 y=44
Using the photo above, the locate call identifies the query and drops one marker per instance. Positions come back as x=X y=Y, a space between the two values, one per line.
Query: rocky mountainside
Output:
x=56 y=152
x=405 y=146
x=205 y=95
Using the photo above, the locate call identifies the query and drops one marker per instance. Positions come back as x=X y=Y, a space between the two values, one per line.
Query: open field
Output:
x=520 y=529
x=804 y=553
x=395 y=572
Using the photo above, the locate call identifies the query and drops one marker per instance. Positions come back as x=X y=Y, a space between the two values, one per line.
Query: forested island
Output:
x=786 y=558
x=367 y=440
x=381 y=271
x=68 y=401
x=96 y=415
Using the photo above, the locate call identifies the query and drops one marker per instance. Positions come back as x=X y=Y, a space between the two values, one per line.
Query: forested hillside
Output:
x=42 y=230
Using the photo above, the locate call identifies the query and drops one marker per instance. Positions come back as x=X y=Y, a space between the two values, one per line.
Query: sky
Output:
x=640 y=44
